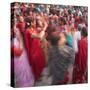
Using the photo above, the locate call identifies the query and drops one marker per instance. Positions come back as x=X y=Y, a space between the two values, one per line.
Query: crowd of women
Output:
x=49 y=44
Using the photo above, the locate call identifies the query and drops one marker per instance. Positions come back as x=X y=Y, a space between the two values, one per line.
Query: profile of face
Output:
x=21 y=19
x=40 y=23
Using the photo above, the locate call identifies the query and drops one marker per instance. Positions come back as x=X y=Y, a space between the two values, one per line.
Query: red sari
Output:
x=21 y=26
x=35 y=53
x=80 y=67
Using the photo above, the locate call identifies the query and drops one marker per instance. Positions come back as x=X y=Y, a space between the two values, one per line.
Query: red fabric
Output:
x=80 y=66
x=16 y=51
x=66 y=79
x=76 y=22
x=21 y=26
x=35 y=53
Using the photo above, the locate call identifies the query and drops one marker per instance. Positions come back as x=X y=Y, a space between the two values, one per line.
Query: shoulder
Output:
x=70 y=49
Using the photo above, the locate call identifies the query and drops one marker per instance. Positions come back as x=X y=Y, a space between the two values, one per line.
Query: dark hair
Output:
x=69 y=12
x=84 y=32
x=62 y=20
x=28 y=22
x=53 y=35
x=79 y=28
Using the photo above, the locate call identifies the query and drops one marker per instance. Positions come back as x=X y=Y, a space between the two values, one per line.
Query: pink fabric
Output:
x=22 y=70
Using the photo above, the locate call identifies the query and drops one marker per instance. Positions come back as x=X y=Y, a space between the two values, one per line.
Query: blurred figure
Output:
x=62 y=24
x=61 y=57
x=80 y=66
x=76 y=36
x=23 y=76
x=50 y=51
x=21 y=24
x=33 y=39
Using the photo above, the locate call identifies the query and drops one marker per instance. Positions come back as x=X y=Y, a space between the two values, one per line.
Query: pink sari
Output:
x=23 y=76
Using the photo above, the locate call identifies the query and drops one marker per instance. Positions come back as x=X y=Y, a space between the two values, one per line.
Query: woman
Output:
x=61 y=57
x=23 y=75
x=21 y=24
x=33 y=37
x=62 y=24
x=80 y=66
x=76 y=36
